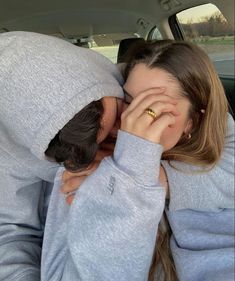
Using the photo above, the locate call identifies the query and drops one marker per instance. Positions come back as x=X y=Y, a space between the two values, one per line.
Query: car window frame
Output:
x=178 y=34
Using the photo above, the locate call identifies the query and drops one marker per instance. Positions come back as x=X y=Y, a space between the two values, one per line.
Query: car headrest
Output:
x=125 y=45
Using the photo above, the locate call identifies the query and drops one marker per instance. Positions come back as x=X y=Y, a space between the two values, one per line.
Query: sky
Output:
x=195 y=14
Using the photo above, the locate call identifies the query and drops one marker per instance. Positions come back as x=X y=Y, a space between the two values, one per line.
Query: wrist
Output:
x=138 y=157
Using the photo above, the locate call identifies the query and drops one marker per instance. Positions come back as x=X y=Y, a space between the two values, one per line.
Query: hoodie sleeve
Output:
x=21 y=221
x=201 y=216
x=110 y=230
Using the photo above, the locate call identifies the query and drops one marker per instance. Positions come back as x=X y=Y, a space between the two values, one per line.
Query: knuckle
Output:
x=151 y=98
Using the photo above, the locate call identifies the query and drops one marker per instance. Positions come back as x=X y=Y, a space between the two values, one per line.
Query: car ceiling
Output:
x=77 y=18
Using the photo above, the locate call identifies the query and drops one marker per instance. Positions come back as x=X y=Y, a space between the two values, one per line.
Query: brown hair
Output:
x=200 y=83
x=75 y=145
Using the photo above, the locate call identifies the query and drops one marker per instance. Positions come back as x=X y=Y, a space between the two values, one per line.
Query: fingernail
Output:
x=69 y=199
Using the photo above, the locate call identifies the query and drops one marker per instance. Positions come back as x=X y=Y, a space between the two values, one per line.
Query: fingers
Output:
x=67 y=175
x=72 y=184
x=157 y=127
x=101 y=154
x=137 y=121
x=137 y=100
x=158 y=108
x=72 y=181
x=69 y=199
x=144 y=99
x=158 y=103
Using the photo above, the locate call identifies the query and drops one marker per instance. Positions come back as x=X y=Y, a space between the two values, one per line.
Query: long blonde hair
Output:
x=200 y=83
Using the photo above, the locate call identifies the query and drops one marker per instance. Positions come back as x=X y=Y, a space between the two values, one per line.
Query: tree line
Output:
x=214 y=26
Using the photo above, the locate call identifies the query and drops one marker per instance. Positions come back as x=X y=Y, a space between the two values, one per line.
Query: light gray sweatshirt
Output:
x=110 y=230
x=44 y=82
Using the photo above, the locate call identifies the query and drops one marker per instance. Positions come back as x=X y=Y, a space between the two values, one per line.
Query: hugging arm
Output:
x=109 y=231
x=21 y=221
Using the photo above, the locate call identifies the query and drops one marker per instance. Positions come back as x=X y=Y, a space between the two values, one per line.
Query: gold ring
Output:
x=150 y=112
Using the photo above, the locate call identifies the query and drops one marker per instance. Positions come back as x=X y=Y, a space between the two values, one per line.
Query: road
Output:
x=225 y=67
x=224 y=63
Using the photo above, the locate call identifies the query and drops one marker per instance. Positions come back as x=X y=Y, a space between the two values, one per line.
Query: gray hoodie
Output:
x=44 y=82
x=110 y=230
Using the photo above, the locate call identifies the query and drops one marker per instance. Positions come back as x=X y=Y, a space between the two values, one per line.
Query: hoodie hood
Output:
x=44 y=82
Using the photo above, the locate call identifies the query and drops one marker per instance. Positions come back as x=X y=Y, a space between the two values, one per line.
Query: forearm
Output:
x=20 y=261
x=21 y=228
x=112 y=223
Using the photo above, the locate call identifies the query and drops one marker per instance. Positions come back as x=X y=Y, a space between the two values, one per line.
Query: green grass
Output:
x=215 y=41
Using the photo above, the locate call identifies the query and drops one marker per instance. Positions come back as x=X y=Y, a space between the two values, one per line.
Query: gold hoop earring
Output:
x=189 y=136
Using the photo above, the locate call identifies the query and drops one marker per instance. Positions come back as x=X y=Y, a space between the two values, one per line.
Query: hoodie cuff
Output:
x=138 y=157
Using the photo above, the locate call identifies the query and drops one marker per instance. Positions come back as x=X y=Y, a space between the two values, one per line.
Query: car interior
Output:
x=112 y=26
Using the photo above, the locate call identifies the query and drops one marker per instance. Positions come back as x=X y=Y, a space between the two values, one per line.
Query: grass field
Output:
x=108 y=51
x=211 y=45
x=229 y=40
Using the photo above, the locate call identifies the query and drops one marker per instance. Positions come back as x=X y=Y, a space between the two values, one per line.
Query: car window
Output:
x=108 y=44
x=105 y=44
x=206 y=26
x=155 y=34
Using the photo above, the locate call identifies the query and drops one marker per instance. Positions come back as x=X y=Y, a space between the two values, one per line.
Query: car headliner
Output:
x=83 y=18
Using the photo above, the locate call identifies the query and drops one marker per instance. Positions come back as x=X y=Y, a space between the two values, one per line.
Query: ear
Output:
x=188 y=126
